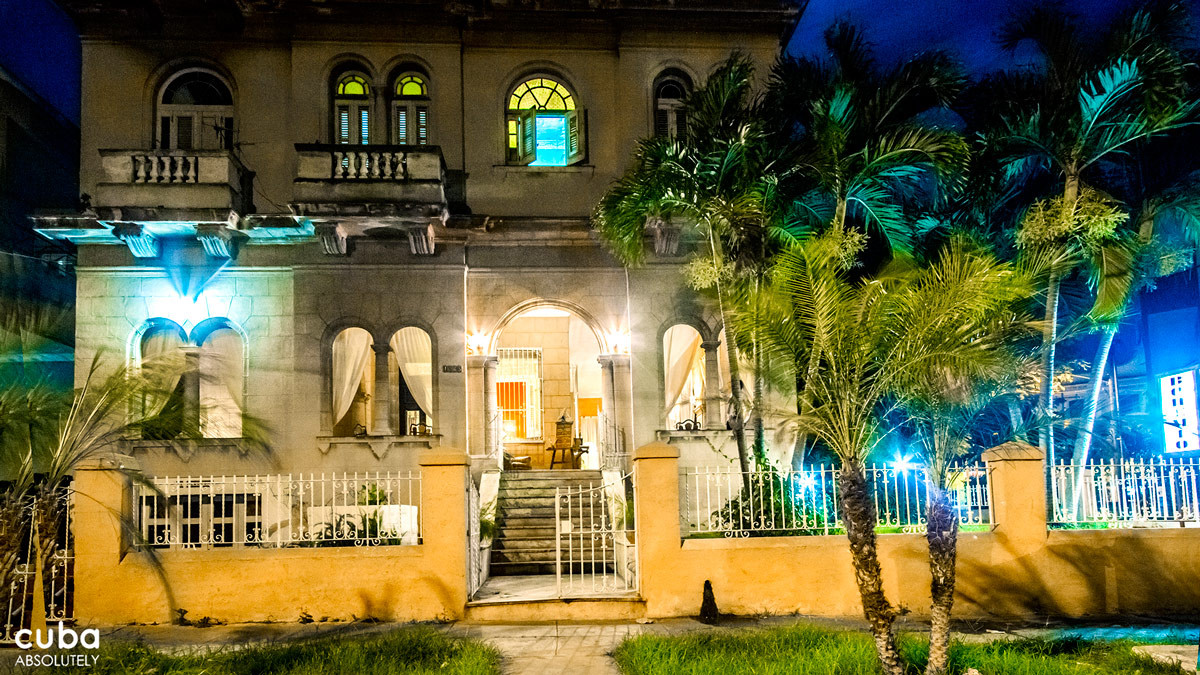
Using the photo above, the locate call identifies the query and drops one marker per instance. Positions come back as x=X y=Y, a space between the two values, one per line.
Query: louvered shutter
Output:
x=576 y=136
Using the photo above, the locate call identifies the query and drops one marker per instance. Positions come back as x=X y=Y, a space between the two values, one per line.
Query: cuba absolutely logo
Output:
x=63 y=637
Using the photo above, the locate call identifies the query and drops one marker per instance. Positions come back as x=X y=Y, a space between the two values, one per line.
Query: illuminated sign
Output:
x=1179 y=412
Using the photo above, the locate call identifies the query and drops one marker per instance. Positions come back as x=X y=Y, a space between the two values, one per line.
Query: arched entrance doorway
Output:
x=547 y=395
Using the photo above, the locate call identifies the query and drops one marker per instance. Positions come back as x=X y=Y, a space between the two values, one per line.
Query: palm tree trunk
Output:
x=858 y=514
x=942 y=535
x=1046 y=398
x=756 y=412
x=1083 y=443
x=736 y=419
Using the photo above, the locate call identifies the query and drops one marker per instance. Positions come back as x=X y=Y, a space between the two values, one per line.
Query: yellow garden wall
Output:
x=115 y=584
x=1017 y=570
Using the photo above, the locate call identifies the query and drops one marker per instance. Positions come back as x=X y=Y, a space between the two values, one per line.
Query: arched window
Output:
x=670 y=90
x=162 y=363
x=221 y=367
x=412 y=364
x=193 y=386
x=195 y=111
x=683 y=377
x=353 y=382
x=544 y=127
x=410 y=109
x=352 y=109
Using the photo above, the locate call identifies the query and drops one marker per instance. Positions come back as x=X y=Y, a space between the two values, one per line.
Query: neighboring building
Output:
x=365 y=225
x=39 y=168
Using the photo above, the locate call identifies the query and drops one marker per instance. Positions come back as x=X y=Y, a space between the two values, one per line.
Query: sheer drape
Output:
x=222 y=372
x=351 y=355
x=681 y=347
x=414 y=356
x=162 y=362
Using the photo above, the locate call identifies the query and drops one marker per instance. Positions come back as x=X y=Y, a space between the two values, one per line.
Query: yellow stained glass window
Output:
x=512 y=134
x=410 y=85
x=353 y=85
x=541 y=93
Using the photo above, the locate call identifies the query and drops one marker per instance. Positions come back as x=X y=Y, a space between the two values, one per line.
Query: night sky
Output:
x=967 y=28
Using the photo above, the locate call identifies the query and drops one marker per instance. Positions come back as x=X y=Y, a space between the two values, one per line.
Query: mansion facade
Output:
x=364 y=227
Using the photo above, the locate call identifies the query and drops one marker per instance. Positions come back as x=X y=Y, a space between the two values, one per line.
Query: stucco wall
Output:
x=424 y=582
x=1018 y=570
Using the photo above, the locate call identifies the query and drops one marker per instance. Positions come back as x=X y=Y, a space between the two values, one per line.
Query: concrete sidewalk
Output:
x=583 y=648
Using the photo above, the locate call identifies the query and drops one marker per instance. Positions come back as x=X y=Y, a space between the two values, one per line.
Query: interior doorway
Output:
x=548 y=384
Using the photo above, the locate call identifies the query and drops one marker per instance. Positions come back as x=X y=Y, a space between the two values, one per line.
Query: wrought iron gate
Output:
x=595 y=551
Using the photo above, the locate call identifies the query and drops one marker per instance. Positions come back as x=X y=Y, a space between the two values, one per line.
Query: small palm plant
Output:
x=877 y=337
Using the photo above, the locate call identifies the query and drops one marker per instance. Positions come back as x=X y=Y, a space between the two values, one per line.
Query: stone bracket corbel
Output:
x=421 y=240
x=332 y=237
x=666 y=236
x=216 y=238
x=141 y=243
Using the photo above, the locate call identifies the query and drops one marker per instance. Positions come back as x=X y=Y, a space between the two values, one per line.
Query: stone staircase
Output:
x=524 y=542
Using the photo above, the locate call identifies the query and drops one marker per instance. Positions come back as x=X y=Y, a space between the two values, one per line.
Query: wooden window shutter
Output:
x=576 y=136
x=528 y=145
x=422 y=125
x=662 y=122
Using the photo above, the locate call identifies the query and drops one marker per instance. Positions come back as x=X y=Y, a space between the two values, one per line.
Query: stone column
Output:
x=1016 y=476
x=381 y=403
x=713 y=399
x=623 y=396
x=656 y=495
x=607 y=395
x=491 y=410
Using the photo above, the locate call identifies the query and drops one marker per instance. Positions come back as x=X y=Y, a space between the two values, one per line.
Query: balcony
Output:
x=373 y=191
x=169 y=185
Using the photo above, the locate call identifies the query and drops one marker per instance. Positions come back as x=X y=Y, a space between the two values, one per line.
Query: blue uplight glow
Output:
x=904 y=464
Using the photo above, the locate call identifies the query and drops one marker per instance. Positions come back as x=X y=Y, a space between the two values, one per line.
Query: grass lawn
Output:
x=408 y=651
x=807 y=650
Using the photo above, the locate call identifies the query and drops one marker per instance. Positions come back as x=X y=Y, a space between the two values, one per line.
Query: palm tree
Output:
x=719 y=177
x=944 y=405
x=1160 y=239
x=876 y=337
x=1091 y=101
x=865 y=155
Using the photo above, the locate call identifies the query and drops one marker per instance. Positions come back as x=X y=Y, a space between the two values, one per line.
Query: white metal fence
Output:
x=20 y=565
x=594 y=548
x=725 y=501
x=339 y=509
x=614 y=454
x=477 y=569
x=1130 y=493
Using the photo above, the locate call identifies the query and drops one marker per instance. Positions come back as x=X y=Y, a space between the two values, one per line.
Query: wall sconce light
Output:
x=477 y=343
x=619 y=342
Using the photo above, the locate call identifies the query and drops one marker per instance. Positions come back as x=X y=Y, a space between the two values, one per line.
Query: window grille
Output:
x=519 y=392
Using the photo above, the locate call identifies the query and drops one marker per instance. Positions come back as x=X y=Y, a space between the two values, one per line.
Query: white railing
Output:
x=370 y=165
x=156 y=167
x=20 y=567
x=614 y=455
x=339 y=509
x=725 y=501
x=594 y=548
x=1130 y=493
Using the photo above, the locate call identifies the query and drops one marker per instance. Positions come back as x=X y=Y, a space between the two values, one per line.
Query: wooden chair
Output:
x=566 y=455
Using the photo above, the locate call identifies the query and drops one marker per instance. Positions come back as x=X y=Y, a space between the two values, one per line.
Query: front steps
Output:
x=524 y=542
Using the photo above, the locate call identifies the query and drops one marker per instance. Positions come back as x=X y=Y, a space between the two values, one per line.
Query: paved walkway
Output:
x=582 y=648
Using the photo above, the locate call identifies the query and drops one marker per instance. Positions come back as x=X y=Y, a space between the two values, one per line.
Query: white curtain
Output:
x=414 y=356
x=351 y=355
x=681 y=347
x=162 y=362
x=222 y=371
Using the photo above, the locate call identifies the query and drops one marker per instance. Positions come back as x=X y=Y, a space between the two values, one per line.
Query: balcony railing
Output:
x=199 y=179
x=393 y=163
